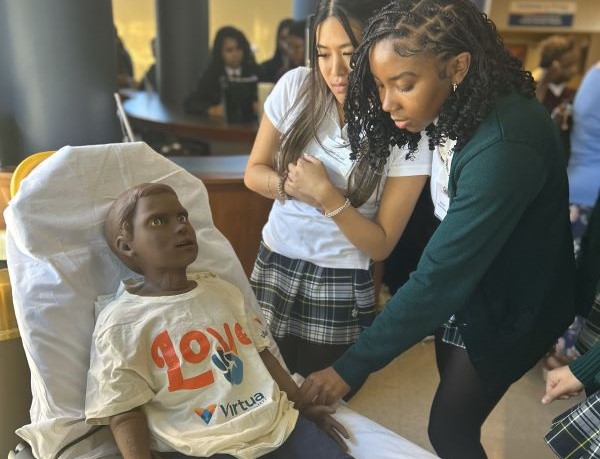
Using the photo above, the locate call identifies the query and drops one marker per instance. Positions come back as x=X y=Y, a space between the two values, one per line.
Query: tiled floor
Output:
x=399 y=398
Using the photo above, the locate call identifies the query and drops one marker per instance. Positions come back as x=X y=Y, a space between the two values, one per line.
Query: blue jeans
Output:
x=306 y=441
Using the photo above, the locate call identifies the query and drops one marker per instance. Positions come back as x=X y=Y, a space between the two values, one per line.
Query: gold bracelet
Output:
x=339 y=210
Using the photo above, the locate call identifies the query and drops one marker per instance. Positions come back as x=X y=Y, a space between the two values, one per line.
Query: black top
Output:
x=208 y=91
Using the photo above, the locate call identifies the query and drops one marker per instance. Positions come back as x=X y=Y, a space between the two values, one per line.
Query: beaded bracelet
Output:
x=339 y=210
x=281 y=194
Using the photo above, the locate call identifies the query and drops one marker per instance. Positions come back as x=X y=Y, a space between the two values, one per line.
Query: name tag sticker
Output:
x=442 y=201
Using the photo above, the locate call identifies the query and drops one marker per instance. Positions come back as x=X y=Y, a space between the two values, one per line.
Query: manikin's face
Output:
x=411 y=89
x=163 y=238
x=232 y=53
x=334 y=50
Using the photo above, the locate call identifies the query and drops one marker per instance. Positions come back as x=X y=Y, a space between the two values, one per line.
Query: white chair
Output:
x=59 y=264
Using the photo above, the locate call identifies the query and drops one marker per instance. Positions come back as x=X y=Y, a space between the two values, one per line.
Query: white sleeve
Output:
x=254 y=325
x=113 y=387
x=283 y=98
x=258 y=330
x=418 y=164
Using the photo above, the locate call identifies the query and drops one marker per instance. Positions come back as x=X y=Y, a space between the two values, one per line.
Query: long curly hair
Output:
x=440 y=29
x=315 y=99
x=224 y=32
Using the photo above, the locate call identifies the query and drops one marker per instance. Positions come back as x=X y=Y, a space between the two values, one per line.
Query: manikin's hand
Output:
x=323 y=387
x=321 y=416
x=561 y=384
x=308 y=178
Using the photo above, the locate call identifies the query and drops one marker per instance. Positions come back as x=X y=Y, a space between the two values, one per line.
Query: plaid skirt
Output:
x=316 y=304
x=575 y=434
x=452 y=334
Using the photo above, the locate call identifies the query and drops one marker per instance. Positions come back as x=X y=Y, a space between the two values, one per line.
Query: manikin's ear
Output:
x=123 y=246
x=458 y=67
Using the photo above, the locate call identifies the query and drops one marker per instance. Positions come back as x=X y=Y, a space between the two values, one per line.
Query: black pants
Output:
x=461 y=404
x=306 y=441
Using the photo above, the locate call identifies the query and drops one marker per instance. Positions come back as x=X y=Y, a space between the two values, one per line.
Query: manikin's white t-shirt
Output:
x=192 y=362
x=298 y=230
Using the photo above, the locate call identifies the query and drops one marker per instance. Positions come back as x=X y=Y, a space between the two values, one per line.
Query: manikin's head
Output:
x=148 y=229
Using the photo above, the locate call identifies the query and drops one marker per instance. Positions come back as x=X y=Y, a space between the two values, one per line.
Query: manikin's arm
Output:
x=319 y=414
x=130 y=430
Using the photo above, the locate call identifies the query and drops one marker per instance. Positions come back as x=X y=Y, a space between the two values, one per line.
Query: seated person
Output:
x=177 y=366
x=124 y=63
x=296 y=45
x=231 y=58
x=279 y=63
x=149 y=81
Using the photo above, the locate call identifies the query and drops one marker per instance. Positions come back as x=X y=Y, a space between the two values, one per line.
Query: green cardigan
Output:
x=501 y=260
x=587 y=369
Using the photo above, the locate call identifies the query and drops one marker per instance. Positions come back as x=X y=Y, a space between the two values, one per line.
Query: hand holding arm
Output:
x=308 y=181
x=561 y=384
x=260 y=175
x=323 y=387
x=130 y=430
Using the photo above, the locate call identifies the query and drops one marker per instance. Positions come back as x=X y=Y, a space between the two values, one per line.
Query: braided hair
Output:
x=440 y=29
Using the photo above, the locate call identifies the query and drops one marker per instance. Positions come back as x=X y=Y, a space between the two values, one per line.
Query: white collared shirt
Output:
x=440 y=175
x=233 y=72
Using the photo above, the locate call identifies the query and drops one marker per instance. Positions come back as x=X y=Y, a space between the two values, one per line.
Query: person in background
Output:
x=496 y=279
x=332 y=215
x=559 y=63
x=124 y=63
x=584 y=186
x=584 y=164
x=231 y=57
x=172 y=353
x=279 y=63
x=149 y=82
x=296 y=44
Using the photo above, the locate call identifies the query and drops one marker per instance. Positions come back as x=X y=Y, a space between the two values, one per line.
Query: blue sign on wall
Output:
x=542 y=13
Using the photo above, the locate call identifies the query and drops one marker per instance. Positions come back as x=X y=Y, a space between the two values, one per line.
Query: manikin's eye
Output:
x=156 y=221
x=182 y=218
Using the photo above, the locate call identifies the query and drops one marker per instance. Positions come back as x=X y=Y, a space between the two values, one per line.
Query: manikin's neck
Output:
x=165 y=283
